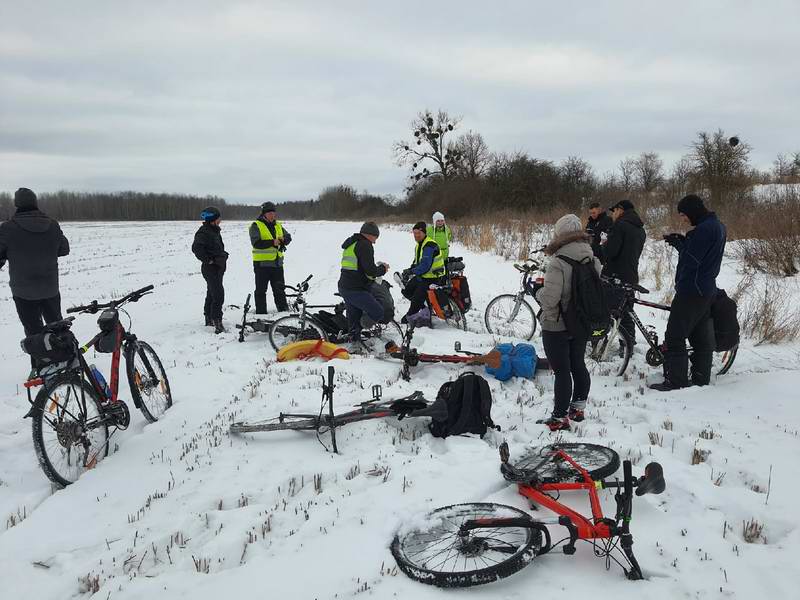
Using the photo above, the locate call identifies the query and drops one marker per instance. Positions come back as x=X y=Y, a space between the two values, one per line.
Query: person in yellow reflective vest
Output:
x=269 y=240
x=358 y=275
x=427 y=268
x=440 y=233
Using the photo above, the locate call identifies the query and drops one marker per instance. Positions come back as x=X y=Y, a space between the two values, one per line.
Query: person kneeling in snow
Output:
x=564 y=352
x=358 y=276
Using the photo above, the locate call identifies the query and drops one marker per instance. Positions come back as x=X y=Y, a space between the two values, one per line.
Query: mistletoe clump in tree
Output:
x=431 y=153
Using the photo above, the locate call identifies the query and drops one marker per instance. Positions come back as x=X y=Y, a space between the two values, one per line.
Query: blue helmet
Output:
x=210 y=213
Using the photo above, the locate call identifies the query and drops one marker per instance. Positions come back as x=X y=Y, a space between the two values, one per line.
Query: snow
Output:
x=248 y=509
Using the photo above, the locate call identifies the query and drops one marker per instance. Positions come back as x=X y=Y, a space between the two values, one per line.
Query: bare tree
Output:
x=429 y=146
x=474 y=154
x=720 y=164
x=649 y=171
x=786 y=169
x=627 y=169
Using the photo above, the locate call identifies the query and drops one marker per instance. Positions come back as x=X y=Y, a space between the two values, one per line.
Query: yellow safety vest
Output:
x=271 y=255
x=437 y=268
x=442 y=237
x=350 y=260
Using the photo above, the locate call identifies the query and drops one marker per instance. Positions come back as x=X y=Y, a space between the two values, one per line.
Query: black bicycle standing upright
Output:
x=613 y=352
x=75 y=408
x=511 y=315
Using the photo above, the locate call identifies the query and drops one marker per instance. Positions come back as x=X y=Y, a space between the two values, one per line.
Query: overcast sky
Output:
x=276 y=100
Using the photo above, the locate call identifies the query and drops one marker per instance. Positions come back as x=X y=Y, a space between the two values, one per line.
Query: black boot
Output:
x=209 y=321
x=219 y=327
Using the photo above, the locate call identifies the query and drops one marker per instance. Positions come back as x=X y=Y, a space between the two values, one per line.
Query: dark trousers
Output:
x=215 y=292
x=266 y=276
x=358 y=302
x=34 y=314
x=416 y=290
x=689 y=318
x=566 y=357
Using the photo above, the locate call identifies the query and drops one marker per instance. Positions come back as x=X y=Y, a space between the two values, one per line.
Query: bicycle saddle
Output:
x=652 y=482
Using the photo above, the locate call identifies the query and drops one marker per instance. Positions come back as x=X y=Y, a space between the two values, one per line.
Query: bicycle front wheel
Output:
x=282 y=423
x=610 y=354
x=148 y=380
x=510 y=315
x=435 y=552
x=454 y=317
x=294 y=328
x=70 y=434
x=723 y=361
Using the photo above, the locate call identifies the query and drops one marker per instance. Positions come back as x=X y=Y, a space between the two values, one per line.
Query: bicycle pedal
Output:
x=569 y=550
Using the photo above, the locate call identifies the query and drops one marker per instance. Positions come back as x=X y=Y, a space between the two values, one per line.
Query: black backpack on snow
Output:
x=726 y=322
x=461 y=406
x=587 y=315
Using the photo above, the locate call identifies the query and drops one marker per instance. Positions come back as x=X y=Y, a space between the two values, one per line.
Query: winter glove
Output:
x=675 y=240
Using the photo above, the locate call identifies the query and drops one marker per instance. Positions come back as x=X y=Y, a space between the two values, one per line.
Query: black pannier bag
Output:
x=108 y=321
x=50 y=347
x=461 y=406
x=587 y=315
x=726 y=322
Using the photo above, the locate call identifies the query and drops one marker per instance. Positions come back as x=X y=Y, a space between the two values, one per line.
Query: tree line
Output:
x=456 y=172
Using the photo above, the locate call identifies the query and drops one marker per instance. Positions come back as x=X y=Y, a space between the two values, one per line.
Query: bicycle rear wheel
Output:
x=435 y=553
x=511 y=316
x=148 y=380
x=723 y=361
x=610 y=354
x=376 y=337
x=70 y=434
x=545 y=466
x=281 y=423
x=294 y=328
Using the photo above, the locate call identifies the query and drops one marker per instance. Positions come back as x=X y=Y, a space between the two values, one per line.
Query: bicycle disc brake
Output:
x=654 y=357
x=118 y=415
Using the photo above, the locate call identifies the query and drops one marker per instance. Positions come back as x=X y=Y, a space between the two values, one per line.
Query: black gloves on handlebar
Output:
x=676 y=240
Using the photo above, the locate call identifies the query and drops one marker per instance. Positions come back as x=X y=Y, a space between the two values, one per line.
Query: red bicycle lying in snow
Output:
x=470 y=544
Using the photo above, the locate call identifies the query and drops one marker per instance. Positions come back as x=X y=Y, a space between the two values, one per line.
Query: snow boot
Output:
x=575 y=414
x=219 y=327
x=556 y=423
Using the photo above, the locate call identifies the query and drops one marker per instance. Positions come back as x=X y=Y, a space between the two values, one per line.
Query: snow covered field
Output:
x=183 y=510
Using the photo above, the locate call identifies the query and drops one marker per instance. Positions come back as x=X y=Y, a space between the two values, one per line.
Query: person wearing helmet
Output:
x=269 y=239
x=440 y=233
x=210 y=251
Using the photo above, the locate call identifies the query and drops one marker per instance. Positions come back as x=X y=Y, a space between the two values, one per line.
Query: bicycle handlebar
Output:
x=95 y=306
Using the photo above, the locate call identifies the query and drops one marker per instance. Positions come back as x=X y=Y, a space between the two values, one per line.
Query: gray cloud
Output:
x=255 y=100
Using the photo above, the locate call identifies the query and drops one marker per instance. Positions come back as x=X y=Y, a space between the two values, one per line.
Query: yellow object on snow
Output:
x=311 y=349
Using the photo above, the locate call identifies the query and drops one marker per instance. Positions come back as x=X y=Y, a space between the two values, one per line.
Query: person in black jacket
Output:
x=31 y=242
x=599 y=223
x=700 y=257
x=209 y=249
x=359 y=271
x=622 y=251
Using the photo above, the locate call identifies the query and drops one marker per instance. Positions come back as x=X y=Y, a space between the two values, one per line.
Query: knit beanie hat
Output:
x=370 y=228
x=267 y=207
x=437 y=216
x=692 y=206
x=568 y=224
x=25 y=198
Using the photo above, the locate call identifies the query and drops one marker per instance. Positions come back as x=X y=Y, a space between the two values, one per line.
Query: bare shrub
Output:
x=769 y=234
x=768 y=314
x=753 y=532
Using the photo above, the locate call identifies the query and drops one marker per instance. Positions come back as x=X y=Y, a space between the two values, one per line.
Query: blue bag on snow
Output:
x=515 y=361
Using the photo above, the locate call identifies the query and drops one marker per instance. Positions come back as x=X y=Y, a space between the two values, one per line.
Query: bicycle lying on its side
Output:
x=295 y=292
x=613 y=351
x=323 y=422
x=471 y=544
x=75 y=407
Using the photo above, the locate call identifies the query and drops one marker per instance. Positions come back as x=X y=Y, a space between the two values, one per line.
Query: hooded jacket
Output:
x=208 y=246
x=701 y=258
x=31 y=242
x=624 y=247
x=365 y=254
x=557 y=291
